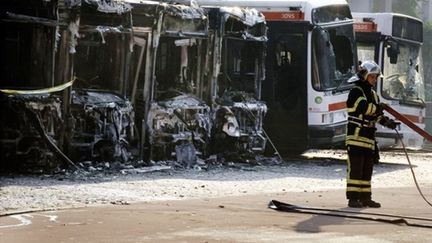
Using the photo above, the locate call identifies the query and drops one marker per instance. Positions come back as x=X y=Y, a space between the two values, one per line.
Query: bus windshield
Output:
x=365 y=51
x=333 y=57
x=403 y=80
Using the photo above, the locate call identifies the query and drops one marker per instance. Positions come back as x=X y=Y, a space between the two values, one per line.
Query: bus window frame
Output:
x=316 y=21
x=315 y=80
x=419 y=102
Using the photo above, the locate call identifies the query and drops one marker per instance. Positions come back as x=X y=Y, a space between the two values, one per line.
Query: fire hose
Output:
x=379 y=217
x=407 y=122
x=417 y=129
x=384 y=218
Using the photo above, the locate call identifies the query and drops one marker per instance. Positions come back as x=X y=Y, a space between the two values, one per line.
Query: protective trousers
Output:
x=359 y=173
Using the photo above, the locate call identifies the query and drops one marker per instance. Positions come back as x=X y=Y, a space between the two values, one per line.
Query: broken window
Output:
x=333 y=57
x=403 y=80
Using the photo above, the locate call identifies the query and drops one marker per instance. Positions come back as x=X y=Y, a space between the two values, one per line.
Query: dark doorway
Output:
x=285 y=88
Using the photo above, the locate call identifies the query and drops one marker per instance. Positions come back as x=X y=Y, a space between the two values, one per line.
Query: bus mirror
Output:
x=393 y=51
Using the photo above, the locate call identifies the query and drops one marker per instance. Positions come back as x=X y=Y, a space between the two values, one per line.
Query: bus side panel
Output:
x=285 y=87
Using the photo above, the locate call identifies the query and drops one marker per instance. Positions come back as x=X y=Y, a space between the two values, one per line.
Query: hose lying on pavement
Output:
x=386 y=218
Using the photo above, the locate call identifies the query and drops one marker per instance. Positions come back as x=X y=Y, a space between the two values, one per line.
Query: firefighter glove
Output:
x=392 y=124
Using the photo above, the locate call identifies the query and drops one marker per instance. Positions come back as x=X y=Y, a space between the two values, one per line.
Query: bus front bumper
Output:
x=327 y=136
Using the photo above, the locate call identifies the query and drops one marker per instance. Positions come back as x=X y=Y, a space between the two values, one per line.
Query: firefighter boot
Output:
x=354 y=203
x=370 y=203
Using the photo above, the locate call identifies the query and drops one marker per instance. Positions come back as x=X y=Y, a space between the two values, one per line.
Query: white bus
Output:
x=310 y=55
x=394 y=41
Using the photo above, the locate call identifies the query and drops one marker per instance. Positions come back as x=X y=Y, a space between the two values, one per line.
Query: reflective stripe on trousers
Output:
x=359 y=173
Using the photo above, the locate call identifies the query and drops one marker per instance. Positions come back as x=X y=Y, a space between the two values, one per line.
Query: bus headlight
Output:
x=327 y=118
x=334 y=117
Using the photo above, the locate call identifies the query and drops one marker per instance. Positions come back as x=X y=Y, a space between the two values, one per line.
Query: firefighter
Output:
x=364 y=110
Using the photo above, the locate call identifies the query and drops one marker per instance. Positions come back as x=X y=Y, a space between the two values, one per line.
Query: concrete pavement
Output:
x=229 y=219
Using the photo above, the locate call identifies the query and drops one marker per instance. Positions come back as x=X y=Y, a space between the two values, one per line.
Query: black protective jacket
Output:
x=363 y=113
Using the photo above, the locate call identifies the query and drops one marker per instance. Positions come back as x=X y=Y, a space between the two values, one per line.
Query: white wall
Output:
x=360 y=5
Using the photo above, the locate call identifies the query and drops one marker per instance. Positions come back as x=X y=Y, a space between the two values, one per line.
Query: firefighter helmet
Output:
x=369 y=67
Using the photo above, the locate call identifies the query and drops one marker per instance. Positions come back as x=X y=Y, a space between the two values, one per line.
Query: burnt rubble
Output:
x=102 y=125
x=31 y=123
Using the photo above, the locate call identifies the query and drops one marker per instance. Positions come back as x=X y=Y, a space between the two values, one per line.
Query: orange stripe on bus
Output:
x=408 y=122
x=412 y=118
x=365 y=27
x=342 y=105
x=337 y=106
x=292 y=15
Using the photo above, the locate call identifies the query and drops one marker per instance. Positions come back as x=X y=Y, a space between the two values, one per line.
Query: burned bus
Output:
x=35 y=72
x=100 y=118
x=238 y=38
x=176 y=120
x=83 y=44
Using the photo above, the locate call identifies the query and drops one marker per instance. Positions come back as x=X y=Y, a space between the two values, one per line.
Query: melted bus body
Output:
x=169 y=91
x=394 y=41
x=238 y=37
x=311 y=54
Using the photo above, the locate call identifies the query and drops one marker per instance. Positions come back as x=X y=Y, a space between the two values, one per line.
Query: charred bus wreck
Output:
x=45 y=44
x=238 y=39
x=33 y=125
x=101 y=117
x=34 y=71
x=177 y=121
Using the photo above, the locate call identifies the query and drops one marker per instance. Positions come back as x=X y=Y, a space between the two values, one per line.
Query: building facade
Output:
x=424 y=7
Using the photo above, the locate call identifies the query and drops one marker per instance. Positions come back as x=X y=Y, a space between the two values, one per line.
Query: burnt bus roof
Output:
x=105 y=13
x=181 y=20
x=144 y=12
x=177 y=19
x=245 y=23
x=152 y=9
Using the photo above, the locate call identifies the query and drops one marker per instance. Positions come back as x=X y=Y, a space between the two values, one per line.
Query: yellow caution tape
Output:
x=39 y=91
